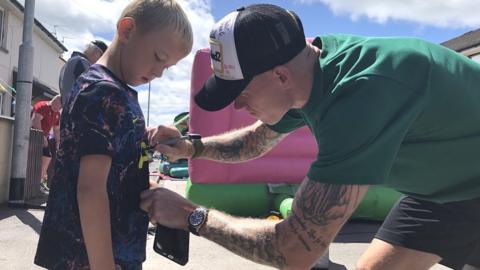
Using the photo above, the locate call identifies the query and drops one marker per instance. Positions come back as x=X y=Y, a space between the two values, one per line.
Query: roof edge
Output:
x=40 y=25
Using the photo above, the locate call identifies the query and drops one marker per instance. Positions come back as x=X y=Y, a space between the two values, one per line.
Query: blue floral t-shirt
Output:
x=102 y=116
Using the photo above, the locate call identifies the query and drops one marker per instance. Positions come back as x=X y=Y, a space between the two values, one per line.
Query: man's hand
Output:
x=182 y=149
x=37 y=121
x=166 y=207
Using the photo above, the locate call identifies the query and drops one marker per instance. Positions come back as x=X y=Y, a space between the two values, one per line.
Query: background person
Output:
x=46 y=117
x=77 y=64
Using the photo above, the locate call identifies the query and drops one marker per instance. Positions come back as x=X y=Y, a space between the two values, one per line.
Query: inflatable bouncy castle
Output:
x=258 y=187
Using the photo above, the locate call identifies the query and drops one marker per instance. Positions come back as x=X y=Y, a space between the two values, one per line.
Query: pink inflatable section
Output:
x=288 y=162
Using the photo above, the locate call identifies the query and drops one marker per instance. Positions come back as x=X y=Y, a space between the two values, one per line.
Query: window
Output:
x=3 y=28
x=6 y=99
x=1 y=103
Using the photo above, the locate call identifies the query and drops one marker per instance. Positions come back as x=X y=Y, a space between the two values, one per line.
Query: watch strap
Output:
x=197 y=147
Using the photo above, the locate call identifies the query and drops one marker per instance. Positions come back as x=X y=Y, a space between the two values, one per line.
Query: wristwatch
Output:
x=196 y=219
x=196 y=140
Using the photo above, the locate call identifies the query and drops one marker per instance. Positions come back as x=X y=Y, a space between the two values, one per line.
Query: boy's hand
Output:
x=181 y=149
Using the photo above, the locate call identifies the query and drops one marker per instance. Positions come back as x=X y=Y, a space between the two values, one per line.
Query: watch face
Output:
x=196 y=218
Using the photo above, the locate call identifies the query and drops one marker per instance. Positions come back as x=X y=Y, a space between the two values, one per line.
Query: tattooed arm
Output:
x=235 y=146
x=318 y=213
x=242 y=144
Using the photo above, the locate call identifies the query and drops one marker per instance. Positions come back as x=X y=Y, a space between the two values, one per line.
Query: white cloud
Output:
x=441 y=13
x=76 y=22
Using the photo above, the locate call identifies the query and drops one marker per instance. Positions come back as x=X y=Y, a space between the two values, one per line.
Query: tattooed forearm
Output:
x=322 y=203
x=293 y=223
x=257 y=240
x=320 y=210
x=241 y=145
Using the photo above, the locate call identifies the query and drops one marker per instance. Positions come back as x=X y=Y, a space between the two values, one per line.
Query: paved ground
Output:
x=19 y=229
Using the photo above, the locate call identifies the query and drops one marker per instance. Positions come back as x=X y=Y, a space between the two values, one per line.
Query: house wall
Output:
x=6 y=134
x=473 y=53
x=476 y=58
x=47 y=65
x=47 y=62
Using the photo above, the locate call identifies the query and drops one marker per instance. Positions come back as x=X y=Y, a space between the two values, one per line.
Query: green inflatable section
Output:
x=259 y=200
x=165 y=166
x=181 y=122
x=249 y=200
x=377 y=203
x=179 y=172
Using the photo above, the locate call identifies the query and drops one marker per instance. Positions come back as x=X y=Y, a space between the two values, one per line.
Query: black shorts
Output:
x=46 y=152
x=450 y=230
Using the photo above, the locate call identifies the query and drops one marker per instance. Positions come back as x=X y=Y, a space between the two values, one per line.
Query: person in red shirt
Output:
x=46 y=117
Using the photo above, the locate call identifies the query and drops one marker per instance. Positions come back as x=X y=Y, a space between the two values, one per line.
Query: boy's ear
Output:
x=125 y=28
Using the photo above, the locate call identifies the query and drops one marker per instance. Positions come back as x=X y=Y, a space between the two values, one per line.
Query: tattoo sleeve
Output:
x=241 y=145
x=319 y=211
x=254 y=239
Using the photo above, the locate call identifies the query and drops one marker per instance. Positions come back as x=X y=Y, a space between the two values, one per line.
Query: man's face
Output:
x=264 y=99
x=96 y=54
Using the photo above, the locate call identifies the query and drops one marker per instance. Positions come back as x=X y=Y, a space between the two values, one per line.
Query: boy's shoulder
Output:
x=99 y=80
x=97 y=74
x=97 y=84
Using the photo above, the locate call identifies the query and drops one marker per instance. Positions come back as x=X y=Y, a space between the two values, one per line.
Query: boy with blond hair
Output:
x=93 y=219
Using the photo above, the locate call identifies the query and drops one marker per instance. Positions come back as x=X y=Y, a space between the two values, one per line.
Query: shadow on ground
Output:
x=21 y=212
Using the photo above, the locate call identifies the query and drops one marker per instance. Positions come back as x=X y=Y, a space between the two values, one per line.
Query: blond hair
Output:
x=154 y=14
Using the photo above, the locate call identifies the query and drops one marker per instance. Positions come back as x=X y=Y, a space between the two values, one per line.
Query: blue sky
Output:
x=84 y=20
x=318 y=19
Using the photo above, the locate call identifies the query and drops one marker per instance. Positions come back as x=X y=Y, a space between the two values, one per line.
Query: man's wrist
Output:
x=197 y=219
x=201 y=230
x=197 y=146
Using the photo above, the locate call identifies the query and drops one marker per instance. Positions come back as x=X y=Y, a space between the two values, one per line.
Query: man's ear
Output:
x=125 y=28
x=283 y=74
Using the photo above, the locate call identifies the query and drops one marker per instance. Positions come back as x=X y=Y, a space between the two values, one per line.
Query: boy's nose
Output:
x=157 y=70
x=158 y=73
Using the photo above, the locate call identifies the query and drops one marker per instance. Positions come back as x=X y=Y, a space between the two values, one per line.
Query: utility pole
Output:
x=21 y=131
x=148 y=104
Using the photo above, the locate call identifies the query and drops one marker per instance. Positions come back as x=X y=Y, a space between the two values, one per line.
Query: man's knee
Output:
x=367 y=263
x=383 y=255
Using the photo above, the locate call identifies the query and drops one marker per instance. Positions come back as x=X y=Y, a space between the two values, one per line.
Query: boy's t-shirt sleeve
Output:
x=96 y=114
x=291 y=121
x=362 y=130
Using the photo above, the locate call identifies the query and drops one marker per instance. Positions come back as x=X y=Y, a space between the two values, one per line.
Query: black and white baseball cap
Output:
x=245 y=43
x=100 y=44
